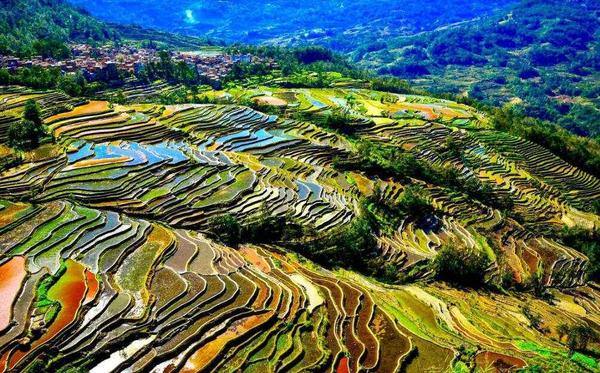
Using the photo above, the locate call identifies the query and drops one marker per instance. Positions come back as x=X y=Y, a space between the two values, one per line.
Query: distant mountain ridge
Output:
x=342 y=25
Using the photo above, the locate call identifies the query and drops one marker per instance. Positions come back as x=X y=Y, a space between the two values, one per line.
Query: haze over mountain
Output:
x=329 y=22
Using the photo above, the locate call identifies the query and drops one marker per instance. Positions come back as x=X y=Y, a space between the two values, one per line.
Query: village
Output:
x=104 y=63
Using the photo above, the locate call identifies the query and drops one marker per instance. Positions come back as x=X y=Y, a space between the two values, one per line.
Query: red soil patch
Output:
x=4 y=360
x=351 y=303
x=285 y=266
x=256 y=259
x=343 y=366
x=69 y=291
x=263 y=293
x=212 y=350
x=12 y=274
x=393 y=344
x=93 y=286
x=332 y=296
x=364 y=332
x=531 y=259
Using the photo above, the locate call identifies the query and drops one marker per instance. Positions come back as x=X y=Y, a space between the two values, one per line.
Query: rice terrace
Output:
x=283 y=211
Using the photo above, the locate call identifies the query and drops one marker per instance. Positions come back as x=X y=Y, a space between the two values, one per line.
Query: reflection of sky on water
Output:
x=151 y=153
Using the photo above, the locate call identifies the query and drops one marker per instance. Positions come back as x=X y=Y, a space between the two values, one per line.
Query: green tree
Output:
x=51 y=48
x=72 y=84
x=4 y=77
x=340 y=120
x=348 y=246
x=32 y=112
x=227 y=228
x=25 y=135
x=578 y=336
x=413 y=202
x=460 y=266
x=587 y=242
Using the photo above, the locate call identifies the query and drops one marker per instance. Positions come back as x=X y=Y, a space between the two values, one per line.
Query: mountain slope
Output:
x=272 y=226
x=544 y=56
x=42 y=27
x=23 y=22
x=339 y=24
x=104 y=228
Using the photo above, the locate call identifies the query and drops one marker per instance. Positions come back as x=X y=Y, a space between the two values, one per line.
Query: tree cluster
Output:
x=577 y=336
x=43 y=27
x=27 y=133
x=50 y=78
x=587 y=242
x=461 y=266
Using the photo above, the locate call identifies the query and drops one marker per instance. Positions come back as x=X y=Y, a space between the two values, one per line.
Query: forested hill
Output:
x=343 y=25
x=542 y=55
x=24 y=22
x=44 y=27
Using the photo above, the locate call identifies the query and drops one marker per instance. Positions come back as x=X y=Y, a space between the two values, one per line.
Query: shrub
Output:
x=581 y=152
x=547 y=55
x=406 y=69
x=266 y=228
x=528 y=72
x=227 y=228
x=262 y=228
x=413 y=202
x=32 y=112
x=25 y=135
x=535 y=319
x=587 y=242
x=460 y=266
x=51 y=48
x=349 y=246
x=339 y=120
x=578 y=336
x=312 y=54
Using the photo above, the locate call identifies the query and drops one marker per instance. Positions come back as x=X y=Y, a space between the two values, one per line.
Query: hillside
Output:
x=44 y=27
x=342 y=25
x=297 y=215
x=542 y=56
x=24 y=22
x=123 y=234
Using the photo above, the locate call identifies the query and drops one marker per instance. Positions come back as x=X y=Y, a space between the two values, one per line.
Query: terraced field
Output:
x=104 y=263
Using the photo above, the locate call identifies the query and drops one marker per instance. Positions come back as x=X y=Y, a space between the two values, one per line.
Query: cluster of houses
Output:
x=104 y=63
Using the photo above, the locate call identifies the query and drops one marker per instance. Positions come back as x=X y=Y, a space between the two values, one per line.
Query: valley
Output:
x=330 y=187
